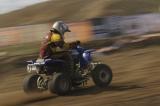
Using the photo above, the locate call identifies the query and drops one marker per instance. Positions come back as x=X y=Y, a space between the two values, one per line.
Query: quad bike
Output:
x=51 y=74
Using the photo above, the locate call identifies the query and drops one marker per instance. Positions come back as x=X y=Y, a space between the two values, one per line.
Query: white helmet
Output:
x=61 y=27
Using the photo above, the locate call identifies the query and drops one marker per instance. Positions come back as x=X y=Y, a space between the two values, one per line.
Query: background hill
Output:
x=75 y=10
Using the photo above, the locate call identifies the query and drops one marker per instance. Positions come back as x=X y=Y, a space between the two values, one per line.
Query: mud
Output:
x=136 y=82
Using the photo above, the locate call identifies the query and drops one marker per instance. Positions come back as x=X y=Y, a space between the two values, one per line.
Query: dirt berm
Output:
x=136 y=81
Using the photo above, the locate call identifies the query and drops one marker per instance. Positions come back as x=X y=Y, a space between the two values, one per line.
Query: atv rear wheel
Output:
x=31 y=83
x=102 y=75
x=60 y=84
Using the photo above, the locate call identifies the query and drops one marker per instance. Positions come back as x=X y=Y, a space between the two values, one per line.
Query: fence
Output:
x=126 y=25
x=30 y=33
x=97 y=28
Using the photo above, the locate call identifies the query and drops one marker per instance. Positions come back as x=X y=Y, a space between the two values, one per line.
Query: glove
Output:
x=74 y=44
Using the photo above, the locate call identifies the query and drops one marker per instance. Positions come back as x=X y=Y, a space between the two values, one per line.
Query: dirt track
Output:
x=135 y=83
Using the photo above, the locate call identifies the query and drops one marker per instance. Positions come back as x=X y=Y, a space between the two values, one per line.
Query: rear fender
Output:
x=30 y=62
x=55 y=66
x=55 y=63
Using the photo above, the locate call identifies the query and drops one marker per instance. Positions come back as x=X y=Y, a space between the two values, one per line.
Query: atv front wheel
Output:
x=102 y=75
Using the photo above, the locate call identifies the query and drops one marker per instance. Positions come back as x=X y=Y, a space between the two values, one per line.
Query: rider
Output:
x=54 y=43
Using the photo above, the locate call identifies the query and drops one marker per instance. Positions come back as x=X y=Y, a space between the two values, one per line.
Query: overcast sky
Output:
x=10 y=5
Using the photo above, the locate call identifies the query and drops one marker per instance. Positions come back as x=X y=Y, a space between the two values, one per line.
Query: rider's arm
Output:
x=43 y=51
x=48 y=51
x=44 y=45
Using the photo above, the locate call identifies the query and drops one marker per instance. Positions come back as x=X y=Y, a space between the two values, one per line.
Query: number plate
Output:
x=31 y=68
x=34 y=68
